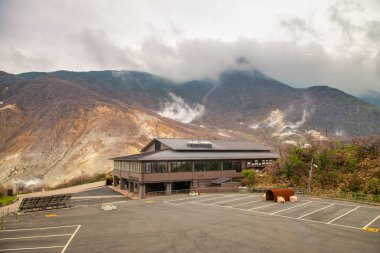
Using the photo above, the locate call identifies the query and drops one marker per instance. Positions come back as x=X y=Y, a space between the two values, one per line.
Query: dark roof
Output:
x=217 y=145
x=171 y=155
x=133 y=157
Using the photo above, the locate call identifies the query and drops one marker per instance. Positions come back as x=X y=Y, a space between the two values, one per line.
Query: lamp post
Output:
x=312 y=164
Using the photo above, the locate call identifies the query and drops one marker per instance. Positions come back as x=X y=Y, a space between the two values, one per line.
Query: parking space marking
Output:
x=209 y=199
x=301 y=218
x=188 y=198
x=372 y=221
x=26 y=229
x=343 y=215
x=31 y=237
x=315 y=211
x=291 y=207
x=261 y=207
x=71 y=238
x=315 y=221
x=282 y=216
x=230 y=200
x=244 y=204
x=71 y=235
x=375 y=230
x=19 y=249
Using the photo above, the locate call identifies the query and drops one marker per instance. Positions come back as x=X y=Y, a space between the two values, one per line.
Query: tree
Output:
x=249 y=176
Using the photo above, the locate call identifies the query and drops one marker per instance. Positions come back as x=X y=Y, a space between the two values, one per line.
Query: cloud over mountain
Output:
x=326 y=43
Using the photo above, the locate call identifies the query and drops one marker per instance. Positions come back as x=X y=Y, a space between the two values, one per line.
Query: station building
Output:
x=167 y=164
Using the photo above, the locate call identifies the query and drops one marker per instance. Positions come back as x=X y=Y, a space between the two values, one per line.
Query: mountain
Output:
x=63 y=124
x=56 y=129
x=372 y=97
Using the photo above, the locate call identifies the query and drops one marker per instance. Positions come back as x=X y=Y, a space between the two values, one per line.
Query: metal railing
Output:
x=354 y=196
x=198 y=190
x=8 y=217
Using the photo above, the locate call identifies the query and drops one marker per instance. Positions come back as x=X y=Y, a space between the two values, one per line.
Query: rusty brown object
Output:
x=272 y=194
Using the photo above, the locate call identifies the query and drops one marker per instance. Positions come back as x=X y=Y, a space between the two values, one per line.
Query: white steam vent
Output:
x=180 y=111
x=199 y=144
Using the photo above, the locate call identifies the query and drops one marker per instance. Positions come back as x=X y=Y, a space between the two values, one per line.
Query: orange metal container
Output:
x=272 y=194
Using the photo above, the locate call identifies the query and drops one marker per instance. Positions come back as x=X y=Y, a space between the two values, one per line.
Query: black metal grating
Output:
x=46 y=202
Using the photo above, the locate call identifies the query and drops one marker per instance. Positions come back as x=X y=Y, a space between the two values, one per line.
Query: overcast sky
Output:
x=299 y=42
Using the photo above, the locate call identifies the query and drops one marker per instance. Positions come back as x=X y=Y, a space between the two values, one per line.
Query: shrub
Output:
x=249 y=176
x=354 y=183
x=374 y=186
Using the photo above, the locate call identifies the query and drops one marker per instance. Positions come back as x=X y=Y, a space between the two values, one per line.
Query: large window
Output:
x=232 y=165
x=181 y=167
x=207 y=166
x=213 y=166
x=156 y=167
x=128 y=166
x=200 y=166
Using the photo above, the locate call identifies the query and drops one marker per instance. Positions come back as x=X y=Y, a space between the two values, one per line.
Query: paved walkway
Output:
x=74 y=189
x=125 y=192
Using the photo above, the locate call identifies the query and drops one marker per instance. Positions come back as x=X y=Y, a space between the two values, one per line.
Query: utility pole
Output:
x=310 y=174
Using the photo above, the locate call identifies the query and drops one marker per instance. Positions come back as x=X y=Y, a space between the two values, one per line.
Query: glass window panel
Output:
x=213 y=166
x=164 y=167
x=148 y=167
x=173 y=166
x=186 y=166
x=200 y=166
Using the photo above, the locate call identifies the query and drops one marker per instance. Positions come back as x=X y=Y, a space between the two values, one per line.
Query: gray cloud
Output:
x=373 y=30
x=138 y=35
x=298 y=27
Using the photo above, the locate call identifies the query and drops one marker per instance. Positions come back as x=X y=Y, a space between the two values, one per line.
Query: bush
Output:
x=249 y=176
x=374 y=186
x=354 y=183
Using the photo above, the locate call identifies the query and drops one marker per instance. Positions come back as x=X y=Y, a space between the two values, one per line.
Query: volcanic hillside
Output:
x=59 y=125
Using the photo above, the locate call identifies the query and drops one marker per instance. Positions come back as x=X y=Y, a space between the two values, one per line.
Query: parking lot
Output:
x=206 y=223
x=328 y=212
x=38 y=239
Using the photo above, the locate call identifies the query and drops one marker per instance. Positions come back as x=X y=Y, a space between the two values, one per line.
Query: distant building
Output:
x=176 y=164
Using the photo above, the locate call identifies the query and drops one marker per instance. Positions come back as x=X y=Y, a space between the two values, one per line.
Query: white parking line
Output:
x=315 y=211
x=33 y=248
x=205 y=200
x=262 y=207
x=26 y=229
x=31 y=237
x=230 y=200
x=372 y=221
x=244 y=204
x=71 y=238
x=314 y=221
x=187 y=202
x=343 y=215
x=188 y=198
x=291 y=207
x=282 y=216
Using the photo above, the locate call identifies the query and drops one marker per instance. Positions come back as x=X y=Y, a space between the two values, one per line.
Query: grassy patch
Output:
x=6 y=200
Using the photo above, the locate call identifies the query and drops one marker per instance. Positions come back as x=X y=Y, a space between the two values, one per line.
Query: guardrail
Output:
x=342 y=195
x=203 y=190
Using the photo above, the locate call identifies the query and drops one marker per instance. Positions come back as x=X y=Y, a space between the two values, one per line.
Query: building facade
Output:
x=177 y=164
